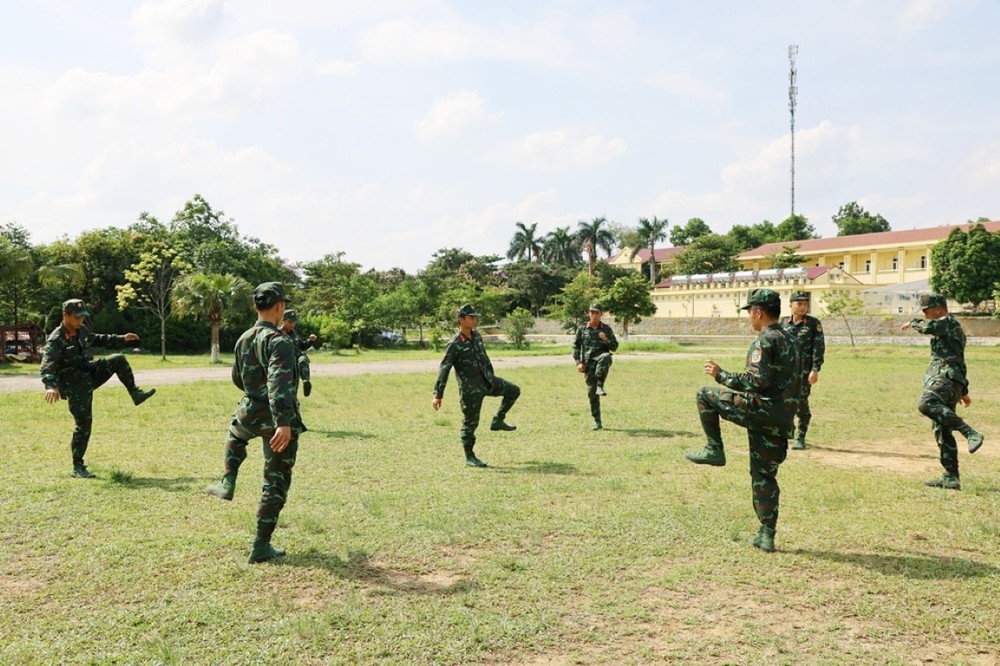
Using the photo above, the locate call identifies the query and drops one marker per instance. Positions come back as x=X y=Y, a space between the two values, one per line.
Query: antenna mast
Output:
x=793 y=93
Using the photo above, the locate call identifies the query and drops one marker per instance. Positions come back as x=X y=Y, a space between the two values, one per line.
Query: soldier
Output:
x=265 y=370
x=812 y=346
x=288 y=324
x=466 y=353
x=763 y=399
x=946 y=384
x=69 y=373
x=592 y=352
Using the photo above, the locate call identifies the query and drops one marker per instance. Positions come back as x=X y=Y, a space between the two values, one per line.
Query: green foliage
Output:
x=793 y=228
x=525 y=244
x=560 y=247
x=647 y=235
x=332 y=332
x=629 y=300
x=966 y=266
x=572 y=302
x=518 y=324
x=844 y=304
x=853 y=219
x=532 y=285
x=214 y=299
x=593 y=237
x=149 y=285
x=711 y=253
x=787 y=258
x=690 y=232
x=16 y=269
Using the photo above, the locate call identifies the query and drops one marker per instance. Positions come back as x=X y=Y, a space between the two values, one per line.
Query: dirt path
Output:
x=151 y=378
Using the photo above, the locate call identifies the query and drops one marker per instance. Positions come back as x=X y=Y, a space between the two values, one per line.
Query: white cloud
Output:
x=172 y=23
x=566 y=148
x=338 y=68
x=454 y=115
x=920 y=14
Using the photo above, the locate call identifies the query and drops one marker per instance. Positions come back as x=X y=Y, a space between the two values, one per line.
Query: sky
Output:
x=387 y=130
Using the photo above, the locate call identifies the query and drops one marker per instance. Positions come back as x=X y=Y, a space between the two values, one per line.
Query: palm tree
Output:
x=593 y=237
x=649 y=233
x=524 y=242
x=560 y=247
x=211 y=297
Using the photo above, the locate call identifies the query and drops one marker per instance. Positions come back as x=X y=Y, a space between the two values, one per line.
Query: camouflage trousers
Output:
x=303 y=365
x=596 y=373
x=471 y=402
x=768 y=444
x=80 y=395
x=937 y=402
x=277 y=472
x=804 y=415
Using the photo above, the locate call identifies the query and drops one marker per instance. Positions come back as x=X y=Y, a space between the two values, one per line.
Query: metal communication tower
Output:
x=793 y=92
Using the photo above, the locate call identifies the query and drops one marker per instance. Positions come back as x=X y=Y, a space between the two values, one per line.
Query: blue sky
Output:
x=387 y=130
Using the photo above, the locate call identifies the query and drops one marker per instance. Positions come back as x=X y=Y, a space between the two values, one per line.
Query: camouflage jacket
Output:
x=264 y=368
x=472 y=366
x=772 y=377
x=947 y=348
x=66 y=361
x=812 y=342
x=588 y=345
x=299 y=344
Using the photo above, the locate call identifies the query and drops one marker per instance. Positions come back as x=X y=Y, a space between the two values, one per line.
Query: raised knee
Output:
x=925 y=407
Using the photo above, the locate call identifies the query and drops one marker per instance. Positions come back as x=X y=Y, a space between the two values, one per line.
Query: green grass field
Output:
x=572 y=548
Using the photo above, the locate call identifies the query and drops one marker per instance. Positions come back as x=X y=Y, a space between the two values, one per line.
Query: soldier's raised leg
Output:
x=602 y=364
x=713 y=406
x=274 y=494
x=234 y=453
x=510 y=392
x=81 y=407
x=767 y=452
x=471 y=403
x=118 y=365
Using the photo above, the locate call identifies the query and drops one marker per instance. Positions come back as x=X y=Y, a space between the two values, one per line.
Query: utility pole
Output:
x=793 y=93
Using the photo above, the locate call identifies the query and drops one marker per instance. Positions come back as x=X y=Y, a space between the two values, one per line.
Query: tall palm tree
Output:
x=649 y=233
x=593 y=237
x=524 y=242
x=561 y=247
x=211 y=297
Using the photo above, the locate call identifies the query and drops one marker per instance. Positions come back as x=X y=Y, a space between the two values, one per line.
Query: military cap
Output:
x=76 y=307
x=268 y=294
x=765 y=298
x=290 y=316
x=595 y=307
x=467 y=311
x=799 y=296
x=932 y=301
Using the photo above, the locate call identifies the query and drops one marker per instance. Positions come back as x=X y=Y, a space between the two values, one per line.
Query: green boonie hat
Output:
x=799 y=296
x=290 y=316
x=595 y=307
x=765 y=298
x=932 y=301
x=76 y=307
x=467 y=311
x=268 y=294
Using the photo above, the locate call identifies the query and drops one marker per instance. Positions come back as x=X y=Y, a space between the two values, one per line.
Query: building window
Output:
x=840 y=265
x=868 y=265
x=923 y=261
x=895 y=263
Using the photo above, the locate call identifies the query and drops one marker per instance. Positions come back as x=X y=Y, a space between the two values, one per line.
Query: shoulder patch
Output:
x=756 y=355
x=819 y=327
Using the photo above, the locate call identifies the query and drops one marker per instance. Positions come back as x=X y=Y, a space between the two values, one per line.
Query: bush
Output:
x=518 y=324
x=332 y=332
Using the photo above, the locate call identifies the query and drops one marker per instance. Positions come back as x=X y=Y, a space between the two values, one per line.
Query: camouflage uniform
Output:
x=595 y=354
x=300 y=345
x=475 y=381
x=945 y=383
x=763 y=399
x=812 y=345
x=68 y=367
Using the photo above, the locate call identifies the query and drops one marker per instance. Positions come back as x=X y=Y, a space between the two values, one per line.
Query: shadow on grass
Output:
x=652 y=432
x=358 y=567
x=538 y=467
x=342 y=434
x=875 y=453
x=917 y=566
x=180 y=484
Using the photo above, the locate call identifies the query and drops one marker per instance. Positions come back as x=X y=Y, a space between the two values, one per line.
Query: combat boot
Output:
x=81 y=472
x=139 y=396
x=473 y=461
x=799 y=442
x=946 y=481
x=975 y=440
x=263 y=551
x=500 y=424
x=307 y=388
x=597 y=425
x=710 y=455
x=224 y=489
x=764 y=539
x=599 y=391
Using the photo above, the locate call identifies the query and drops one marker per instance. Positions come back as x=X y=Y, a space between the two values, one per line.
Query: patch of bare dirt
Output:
x=900 y=456
x=16 y=587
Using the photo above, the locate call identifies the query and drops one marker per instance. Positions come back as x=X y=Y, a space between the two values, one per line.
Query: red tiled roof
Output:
x=661 y=253
x=815 y=271
x=834 y=243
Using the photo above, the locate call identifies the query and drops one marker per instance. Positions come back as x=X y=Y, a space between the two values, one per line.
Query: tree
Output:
x=339 y=288
x=844 y=304
x=746 y=237
x=524 y=244
x=149 y=284
x=708 y=254
x=532 y=285
x=572 y=302
x=649 y=233
x=560 y=247
x=16 y=267
x=594 y=236
x=690 y=232
x=966 y=266
x=794 y=228
x=787 y=258
x=518 y=324
x=852 y=219
x=628 y=300
x=212 y=298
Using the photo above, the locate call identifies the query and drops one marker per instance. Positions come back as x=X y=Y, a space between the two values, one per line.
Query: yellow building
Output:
x=894 y=264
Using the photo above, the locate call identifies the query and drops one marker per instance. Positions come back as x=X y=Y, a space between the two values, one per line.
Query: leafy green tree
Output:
x=339 y=288
x=105 y=255
x=560 y=247
x=491 y=302
x=518 y=324
x=149 y=284
x=787 y=258
x=649 y=233
x=794 y=228
x=629 y=300
x=707 y=254
x=746 y=237
x=690 y=232
x=966 y=266
x=571 y=303
x=213 y=298
x=845 y=304
x=525 y=244
x=406 y=306
x=532 y=285
x=16 y=269
x=593 y=237
x=852 y=219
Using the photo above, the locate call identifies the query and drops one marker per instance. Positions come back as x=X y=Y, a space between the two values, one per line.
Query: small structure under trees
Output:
x=24 y=339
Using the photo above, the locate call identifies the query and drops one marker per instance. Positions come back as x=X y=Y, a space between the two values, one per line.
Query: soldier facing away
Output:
x=812 y=347
x=592 y=348
x=763 y=399
x=476 y=380
x=946 y=384
x=69 y=373
x=288 y=323
x=264 y=369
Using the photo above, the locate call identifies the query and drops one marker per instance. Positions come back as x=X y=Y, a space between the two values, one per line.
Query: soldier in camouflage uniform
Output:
x=288 y=323
x=812 y=346
x=265 y=370
x=466 y=353
x=592 y=352
x=763 y=399
x=946 y=384
x=69 y=373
